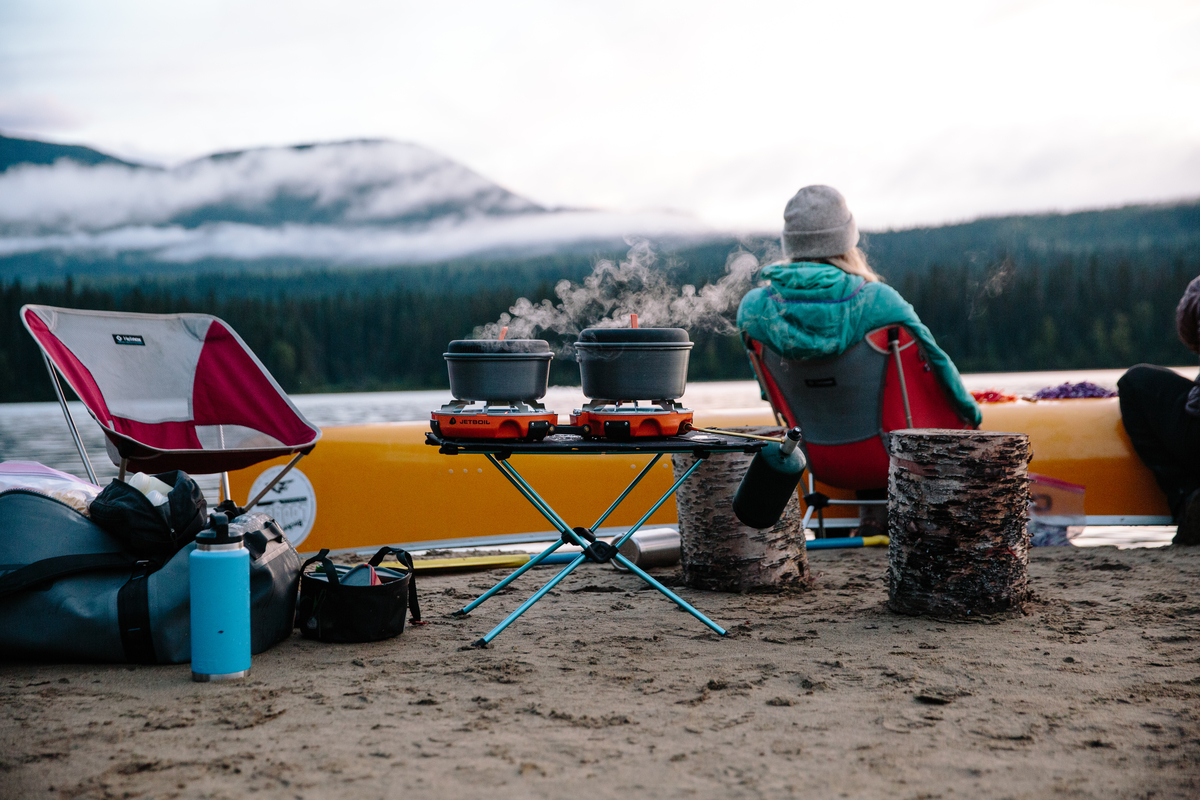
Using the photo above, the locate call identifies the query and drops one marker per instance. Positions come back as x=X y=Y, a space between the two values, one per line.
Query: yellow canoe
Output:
x=370 y=485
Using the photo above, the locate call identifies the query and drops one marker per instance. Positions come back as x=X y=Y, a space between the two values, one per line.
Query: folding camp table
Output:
x=700 y=445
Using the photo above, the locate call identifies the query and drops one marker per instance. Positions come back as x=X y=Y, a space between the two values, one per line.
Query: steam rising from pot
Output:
x=633 y=285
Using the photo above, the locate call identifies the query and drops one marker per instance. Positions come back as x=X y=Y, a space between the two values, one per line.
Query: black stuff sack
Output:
x=69 y=590
x=148 y=530
x=330 y=610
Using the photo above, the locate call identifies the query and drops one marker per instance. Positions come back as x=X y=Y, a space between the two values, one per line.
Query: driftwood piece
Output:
x=718 y=552
x=957 y=512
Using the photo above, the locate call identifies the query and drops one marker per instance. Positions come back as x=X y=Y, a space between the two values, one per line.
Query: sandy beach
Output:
x=606 y=690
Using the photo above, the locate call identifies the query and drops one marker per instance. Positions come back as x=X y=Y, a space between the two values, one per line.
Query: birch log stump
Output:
x=721 y=554
x=957 y=511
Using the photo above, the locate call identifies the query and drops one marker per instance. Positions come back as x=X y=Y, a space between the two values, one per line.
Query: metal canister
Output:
x=653 y=547
x=770 y=482
x=219 y=579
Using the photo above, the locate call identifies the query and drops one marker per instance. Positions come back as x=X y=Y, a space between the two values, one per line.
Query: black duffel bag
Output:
x=148 y=530
x=332 y=611
x=69 y=590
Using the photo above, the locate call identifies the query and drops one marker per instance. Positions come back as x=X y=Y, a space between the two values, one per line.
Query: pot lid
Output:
x=498 y=346
x=634 y=335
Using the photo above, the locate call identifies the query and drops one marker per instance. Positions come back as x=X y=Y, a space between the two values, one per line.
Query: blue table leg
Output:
x=685 y=605
x=527 y=491
x=637 y=526
x=625 y=493
x=538 y=595
x=524 y=488
x=528 y=565
x=514 y=477
x=549 y=513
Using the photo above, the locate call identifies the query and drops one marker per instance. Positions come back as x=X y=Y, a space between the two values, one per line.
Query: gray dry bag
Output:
x=70 y=591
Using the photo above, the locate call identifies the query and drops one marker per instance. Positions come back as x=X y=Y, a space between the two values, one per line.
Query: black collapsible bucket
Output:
x=331 y=611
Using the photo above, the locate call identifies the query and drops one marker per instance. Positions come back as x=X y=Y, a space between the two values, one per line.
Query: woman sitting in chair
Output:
x=823 y=299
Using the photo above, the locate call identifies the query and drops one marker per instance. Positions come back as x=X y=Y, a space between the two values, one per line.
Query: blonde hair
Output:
x=855 y=263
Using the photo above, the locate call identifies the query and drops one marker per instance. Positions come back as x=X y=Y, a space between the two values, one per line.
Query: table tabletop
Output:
x=694 y=442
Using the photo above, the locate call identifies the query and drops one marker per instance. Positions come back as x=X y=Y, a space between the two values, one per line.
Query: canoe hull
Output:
x=381 y=484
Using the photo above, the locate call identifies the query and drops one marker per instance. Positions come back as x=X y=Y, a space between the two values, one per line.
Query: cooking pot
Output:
x=496 y=370
x=625 y=364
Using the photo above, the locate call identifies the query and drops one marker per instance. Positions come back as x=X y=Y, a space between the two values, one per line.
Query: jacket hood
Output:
x=807 y=311
x=805 y=276
x=814 y=311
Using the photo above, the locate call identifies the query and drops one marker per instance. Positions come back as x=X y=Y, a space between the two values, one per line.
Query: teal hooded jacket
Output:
x=814 y=311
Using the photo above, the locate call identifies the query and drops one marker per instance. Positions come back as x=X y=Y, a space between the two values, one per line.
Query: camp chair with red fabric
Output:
x=846 y=405
x=170 y=391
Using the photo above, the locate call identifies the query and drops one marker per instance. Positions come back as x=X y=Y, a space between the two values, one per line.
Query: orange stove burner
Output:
x=634 y=423
x=523 y=422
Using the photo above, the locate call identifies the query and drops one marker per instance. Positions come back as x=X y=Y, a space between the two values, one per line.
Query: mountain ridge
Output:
x=358 y=202
x=378 y=203
x=15 y=151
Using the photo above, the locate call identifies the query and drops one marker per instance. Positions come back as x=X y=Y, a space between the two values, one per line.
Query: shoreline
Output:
x=605 y=689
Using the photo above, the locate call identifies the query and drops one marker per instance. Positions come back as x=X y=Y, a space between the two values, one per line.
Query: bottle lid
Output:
x=218 y=532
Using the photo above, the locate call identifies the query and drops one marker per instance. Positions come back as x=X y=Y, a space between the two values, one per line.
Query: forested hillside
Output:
x=1016 y=294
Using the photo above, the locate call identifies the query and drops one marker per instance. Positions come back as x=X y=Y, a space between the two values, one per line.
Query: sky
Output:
x=920 y=112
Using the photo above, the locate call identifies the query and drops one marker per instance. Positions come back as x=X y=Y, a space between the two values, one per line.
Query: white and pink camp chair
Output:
x=170 y=391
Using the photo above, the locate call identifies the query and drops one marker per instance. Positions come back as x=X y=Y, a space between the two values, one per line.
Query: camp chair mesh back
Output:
x=170 y=391
x=846 y=405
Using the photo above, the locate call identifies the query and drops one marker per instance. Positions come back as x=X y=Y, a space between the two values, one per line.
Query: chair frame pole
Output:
x=894 y=346
x=274 y=481
x=226 y=493
x=62 y=401
x=756 y=365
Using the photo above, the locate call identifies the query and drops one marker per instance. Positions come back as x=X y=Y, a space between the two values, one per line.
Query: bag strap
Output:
x=133 y=604
x=405 y=558
x=133 y=615
x=329 y=570
x=51 y=569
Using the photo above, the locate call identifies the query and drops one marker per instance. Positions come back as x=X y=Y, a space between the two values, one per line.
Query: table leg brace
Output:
x=560 y=525
x=549 y=513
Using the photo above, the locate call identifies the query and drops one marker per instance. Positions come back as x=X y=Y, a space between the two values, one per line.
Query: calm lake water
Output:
x=38 y=431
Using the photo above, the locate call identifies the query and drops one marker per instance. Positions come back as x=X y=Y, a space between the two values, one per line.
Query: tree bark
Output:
x=957 y=511
x=718 y=552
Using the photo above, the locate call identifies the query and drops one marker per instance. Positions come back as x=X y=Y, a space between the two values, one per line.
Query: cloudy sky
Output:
x=921 y=112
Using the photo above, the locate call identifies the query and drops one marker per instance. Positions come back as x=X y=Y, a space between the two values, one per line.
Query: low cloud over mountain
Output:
x=347 y=203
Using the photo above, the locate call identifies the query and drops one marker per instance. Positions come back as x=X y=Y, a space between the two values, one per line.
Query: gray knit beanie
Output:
x=817 y=223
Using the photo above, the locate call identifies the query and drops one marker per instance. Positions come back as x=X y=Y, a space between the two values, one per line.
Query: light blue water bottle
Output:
x=219 y=571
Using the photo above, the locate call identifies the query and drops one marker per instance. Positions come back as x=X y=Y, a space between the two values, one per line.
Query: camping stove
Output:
x=619 y=421
x=528 y=421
